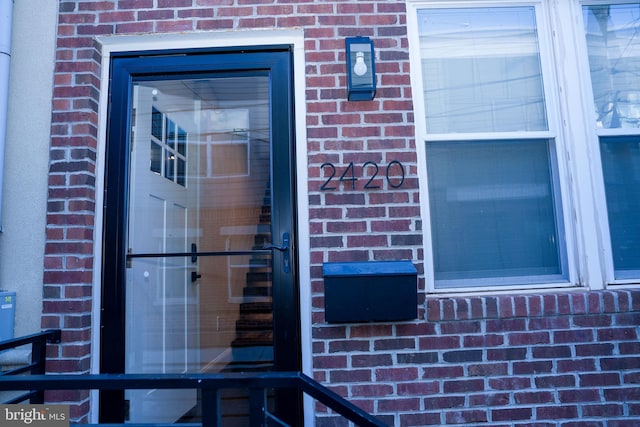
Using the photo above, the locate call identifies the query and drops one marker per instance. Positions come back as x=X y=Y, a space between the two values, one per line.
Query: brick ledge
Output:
x=531 y=305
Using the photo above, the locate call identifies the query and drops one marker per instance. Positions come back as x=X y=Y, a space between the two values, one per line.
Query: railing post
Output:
x=38 y=362
x=211 y=412
x=257 y=407
x=39 y=358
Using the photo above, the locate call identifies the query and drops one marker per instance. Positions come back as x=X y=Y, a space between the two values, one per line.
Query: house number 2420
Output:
x=394 y=173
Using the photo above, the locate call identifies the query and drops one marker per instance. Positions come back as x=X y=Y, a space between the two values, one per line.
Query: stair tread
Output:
x=254 y=325
x=259 y=275
x=254 y=328
x=256 y=307
x=253 y=339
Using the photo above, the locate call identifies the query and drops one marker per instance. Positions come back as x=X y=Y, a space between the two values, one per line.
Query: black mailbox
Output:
x=370 y=291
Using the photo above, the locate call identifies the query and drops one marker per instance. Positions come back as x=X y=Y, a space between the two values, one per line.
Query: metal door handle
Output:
x=286 y=260
x=282 y=248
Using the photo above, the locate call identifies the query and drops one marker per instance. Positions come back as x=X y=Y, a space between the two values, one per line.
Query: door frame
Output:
x=294 y=41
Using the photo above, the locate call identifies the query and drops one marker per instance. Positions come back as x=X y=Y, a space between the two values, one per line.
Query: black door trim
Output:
x=128 y=67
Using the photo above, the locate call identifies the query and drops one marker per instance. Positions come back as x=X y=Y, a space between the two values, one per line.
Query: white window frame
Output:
x=569 y=101
x=593 y=137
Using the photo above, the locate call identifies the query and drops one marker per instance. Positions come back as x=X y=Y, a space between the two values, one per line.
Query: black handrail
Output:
x=210 y=386
x=37 y=366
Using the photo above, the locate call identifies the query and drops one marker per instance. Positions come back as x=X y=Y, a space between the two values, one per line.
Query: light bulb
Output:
x=360 y=68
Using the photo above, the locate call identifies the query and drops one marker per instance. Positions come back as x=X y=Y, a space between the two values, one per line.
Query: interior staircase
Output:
x=252 y=348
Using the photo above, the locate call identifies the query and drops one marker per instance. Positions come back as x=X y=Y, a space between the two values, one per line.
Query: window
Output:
x=481 y=70
x=613 y=45
x=168 y=148
x=227 y=144
x=500 y=165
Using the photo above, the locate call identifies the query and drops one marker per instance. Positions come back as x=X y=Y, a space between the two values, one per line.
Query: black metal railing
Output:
x=38 y=343
x=209 y=385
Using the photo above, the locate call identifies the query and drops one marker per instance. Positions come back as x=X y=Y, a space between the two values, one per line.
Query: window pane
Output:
x=171 y=134
x=156 y=158
x=613 y=44
x=493 y=212
x=481 y=70
x=182 y=170
x=169 y=166
x=621 y=169
x=156 y=123
x=182 y=141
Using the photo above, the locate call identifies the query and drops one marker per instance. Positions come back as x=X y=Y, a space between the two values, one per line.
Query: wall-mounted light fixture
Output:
x=361 y=69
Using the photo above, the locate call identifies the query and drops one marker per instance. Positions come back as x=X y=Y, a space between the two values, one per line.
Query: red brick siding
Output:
x=558 y=359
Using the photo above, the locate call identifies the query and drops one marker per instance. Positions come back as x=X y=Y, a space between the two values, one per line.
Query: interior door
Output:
x=162 y=303
x=199 y=260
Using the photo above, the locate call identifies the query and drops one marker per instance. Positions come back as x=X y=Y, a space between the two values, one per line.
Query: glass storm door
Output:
x=199 y=264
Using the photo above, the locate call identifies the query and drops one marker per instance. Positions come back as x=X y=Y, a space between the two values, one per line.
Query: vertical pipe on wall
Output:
x=6 y=16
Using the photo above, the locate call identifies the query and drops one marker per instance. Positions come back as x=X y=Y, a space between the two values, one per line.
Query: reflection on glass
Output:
x=621 y=170
x=156 y=158
x=228 y=146
x=171 y=134
x=481 y=70
x=182 y=142
x=493 y=212
x=613 y=44
x=199 y=178
x=156 y=123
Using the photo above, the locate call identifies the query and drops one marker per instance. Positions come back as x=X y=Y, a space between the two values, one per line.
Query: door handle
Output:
x=284 y=248
x=194 y=253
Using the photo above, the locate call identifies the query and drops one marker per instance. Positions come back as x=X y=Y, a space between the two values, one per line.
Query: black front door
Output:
x=199 y=265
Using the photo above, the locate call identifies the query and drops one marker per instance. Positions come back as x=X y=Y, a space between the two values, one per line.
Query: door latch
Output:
x=284 y=248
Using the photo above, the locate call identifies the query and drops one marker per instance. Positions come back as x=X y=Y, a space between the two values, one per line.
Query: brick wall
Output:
x=562 y=359
x=565 y=359
x=68 y=275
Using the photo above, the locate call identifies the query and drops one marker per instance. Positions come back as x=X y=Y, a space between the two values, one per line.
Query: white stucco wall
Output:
x=27 y=157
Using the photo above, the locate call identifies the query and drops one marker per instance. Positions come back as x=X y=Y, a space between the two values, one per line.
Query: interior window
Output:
x=168 y=148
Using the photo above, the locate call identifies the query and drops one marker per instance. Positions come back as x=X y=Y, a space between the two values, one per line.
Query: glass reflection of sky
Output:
x=482 y=69
x=439 y=21
x=613 y=43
